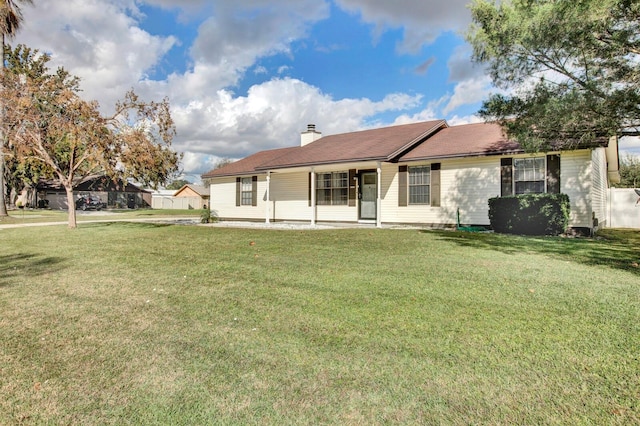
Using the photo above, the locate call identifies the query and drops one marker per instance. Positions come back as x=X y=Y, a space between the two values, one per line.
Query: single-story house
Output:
x=190 y=196
x=421 y=173
x=113 y=194
x=193 y=196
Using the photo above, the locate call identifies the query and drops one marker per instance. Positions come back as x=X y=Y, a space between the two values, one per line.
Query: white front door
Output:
x=368 y=195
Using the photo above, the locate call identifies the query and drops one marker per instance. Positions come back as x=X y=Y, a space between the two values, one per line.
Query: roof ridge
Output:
x=419 y=139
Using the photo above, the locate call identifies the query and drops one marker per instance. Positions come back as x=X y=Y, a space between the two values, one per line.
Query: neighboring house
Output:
x=113 y=194
x=190 y=196
x=421 y=173
x=193 y=196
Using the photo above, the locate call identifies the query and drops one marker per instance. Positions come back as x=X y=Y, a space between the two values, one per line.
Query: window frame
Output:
x=246 y=191
x=530 y=176
x=413 y=187
x=332 y=188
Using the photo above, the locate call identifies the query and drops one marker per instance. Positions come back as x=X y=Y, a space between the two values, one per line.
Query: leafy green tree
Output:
x=10 y=22
x=218 y=165
x=178 y=183
x=573 y=67
x=49 y=124
x=629 y=172
x=222 y=162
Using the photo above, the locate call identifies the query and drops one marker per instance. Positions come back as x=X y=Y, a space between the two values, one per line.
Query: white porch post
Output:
x=379 y=197
x=268 y=203
x=313 y=197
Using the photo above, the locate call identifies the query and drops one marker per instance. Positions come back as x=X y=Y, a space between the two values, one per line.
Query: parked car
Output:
x=86 y=202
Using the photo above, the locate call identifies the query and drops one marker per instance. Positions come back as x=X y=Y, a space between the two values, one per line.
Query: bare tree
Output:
x=10 y=22
x=49 y=124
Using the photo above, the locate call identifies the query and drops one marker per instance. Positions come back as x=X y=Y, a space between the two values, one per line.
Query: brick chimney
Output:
x=310 y=135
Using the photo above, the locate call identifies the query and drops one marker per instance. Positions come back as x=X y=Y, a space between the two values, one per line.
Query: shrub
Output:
x=530 y=214
x=208 y=216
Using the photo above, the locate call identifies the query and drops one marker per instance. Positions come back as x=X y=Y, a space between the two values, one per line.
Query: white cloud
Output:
x=468 y=92
x=629 y=145
x=422 y=20
x=467 y=119
x=472 y=84
x=430 y=112
x=461 y=67
x=238 y=33
x=104 y=43
x=260 y=70
x=97 y=41
x=271 y=115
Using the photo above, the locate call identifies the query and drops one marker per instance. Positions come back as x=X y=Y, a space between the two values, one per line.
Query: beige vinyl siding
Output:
x=223 y=200
x=289 y=194
x=466 y=184
x=600 y=185
x=576 y=182
x=223 y=196
x=289 y=200
x=337 y=213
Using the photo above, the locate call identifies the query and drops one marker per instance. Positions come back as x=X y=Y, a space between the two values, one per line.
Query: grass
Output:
x=135 y=323
x=44 y=215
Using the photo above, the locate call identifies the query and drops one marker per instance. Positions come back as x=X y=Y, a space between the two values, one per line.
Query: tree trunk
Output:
x=71 y=206
x=3 y=190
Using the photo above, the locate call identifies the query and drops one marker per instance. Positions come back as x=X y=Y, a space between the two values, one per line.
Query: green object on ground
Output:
x=468 y=228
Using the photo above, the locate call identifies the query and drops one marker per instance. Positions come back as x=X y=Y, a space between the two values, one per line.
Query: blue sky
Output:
x=248 y=75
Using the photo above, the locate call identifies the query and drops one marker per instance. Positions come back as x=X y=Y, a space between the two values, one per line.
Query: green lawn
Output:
x=43 y=215
x=130 y=323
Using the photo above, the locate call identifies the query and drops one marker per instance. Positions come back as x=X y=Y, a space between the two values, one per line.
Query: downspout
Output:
x=378 y=197
x=268 y=203
x=313 y=197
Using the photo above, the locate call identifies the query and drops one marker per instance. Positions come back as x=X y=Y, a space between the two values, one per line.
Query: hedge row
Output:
x=530 y=214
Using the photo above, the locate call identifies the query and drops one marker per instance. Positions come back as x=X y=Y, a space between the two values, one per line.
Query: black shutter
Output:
x=238 y=190
x=254 y=190
x=435 y=185
x=309 y=192
x=553 y=174
x=506 y=177
x=352 y=187
x=402 y=186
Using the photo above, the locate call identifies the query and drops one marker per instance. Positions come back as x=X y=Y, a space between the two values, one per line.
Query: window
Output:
x=246 y=194
x=529 y=175
x=419 y=184
x=532 y=175
x=332 y=188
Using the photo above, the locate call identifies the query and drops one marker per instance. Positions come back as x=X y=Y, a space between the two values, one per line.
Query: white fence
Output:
x=170 y=202
x=624 y=209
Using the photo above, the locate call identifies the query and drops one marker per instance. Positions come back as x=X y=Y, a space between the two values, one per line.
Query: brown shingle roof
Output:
x=202 y=191
x=92 y=183
x=409 y=142
x=248 y=164
x=464 y=141
x=382 y=144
